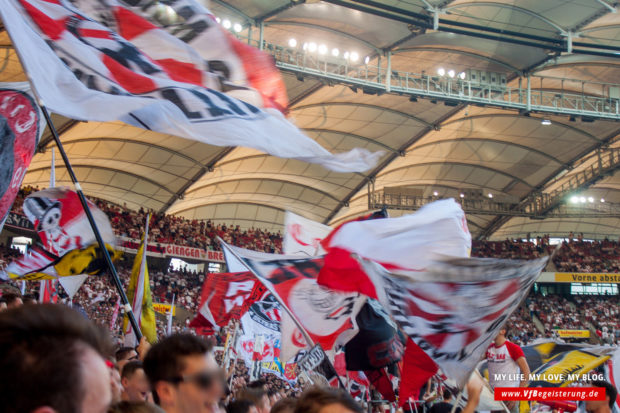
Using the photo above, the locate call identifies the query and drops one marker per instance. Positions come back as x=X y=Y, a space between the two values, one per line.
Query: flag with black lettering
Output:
x=167 y=67
x=21 y=125
x=455 y=308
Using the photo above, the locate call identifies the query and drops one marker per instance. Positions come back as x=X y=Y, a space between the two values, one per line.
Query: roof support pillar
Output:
x=261 y=34
x=529 y=94
x=388 y=74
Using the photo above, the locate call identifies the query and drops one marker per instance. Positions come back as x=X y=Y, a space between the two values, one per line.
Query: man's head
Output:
x=124 y=355
x=241 y=406
x=115 y=382
x=285 y=405
x=134 y=381
x=447 y=395
x=257 y=396
x=13 y=300
x=3 y=305
x=51 y=361
x=29 y=299
x=606 y=406
x=502 y=334
x=184 y=375
x=326 y=400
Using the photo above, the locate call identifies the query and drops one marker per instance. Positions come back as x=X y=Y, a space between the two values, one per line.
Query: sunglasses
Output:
x=204 y=379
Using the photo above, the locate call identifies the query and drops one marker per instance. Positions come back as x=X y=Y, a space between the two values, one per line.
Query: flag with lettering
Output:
x=21 y=126
x=225 y=297
x=167 y=67
x=455 y=308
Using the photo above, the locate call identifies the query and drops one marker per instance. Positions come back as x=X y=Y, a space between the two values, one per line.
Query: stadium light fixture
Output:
x=366 y=59
x=462 y=195
x=227 y=24
x=462 y=75
x=491 y=196
x=346 y=55
x=312 y=47
x=441 y=71
x=218 y=20
x=435 y=193
x=305 y=46
x=602 y=200
x=237 y=27
x=322 y=49
x=590 y=199
x=335 y=52
x=292 y=42
x=451 y=73
x=574 y=199
x=582 y=199
x=545 y=122
x=354 y=56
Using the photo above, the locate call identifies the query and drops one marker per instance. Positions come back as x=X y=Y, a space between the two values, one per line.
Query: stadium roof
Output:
x=431 y=145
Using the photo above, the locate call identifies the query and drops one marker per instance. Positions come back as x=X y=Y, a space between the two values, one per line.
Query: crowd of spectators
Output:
x=170 y=229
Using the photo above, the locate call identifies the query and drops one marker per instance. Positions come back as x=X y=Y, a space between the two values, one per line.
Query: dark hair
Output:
x=610 y=391
x=285 y=405
x=165 y=359
x=130 y=368
x=315 y=398
x=447 y=394
x=134 y=407
x=11 y=298
x=239 y=406
x=271 y=392
x=29 y=299
x=256 y=384
x=123 y=352
x=41 y=352
x=255 y=395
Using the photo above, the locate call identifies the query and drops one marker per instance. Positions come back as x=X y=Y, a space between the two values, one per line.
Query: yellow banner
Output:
x=581 y=277
x=574 y=333
x=164 y=308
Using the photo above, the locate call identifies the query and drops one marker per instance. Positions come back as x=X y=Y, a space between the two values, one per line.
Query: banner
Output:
x=142 y=75
x=303 y=236
x=261 y=320
x=170 y=250
x=456 y=307
x=21 y=126
x=566 y=368
x=316 y=365
x=577 y=277
x=18 y=221
x=573 y=333
x=164 y=308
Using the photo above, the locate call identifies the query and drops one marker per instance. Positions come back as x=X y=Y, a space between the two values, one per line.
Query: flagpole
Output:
x=78 y=189
x=93 y=224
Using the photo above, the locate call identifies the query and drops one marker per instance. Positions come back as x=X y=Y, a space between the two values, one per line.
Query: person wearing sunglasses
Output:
x=184 y=375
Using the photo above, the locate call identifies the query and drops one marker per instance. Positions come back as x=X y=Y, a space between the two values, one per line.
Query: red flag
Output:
x=226 y=297
x=417 y=368
x=382 y=383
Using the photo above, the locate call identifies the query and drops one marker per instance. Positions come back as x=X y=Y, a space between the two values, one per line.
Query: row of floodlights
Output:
x=582 y=199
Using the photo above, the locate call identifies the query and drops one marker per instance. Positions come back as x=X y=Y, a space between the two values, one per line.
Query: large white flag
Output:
x=303 y=235
x=106 y=60
x=455 y=308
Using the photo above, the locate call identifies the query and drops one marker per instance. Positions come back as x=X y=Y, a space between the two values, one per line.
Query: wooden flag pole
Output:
x=93 y=225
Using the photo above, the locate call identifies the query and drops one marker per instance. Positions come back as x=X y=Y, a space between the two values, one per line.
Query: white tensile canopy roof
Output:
x=429 y=146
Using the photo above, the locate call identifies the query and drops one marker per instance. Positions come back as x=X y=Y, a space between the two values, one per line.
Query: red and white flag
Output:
x=328 y=317
x=454 y=309
x=410 y=242
x=21 y=126
x=225 y=297
x=303 y=236
x=120 y=60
